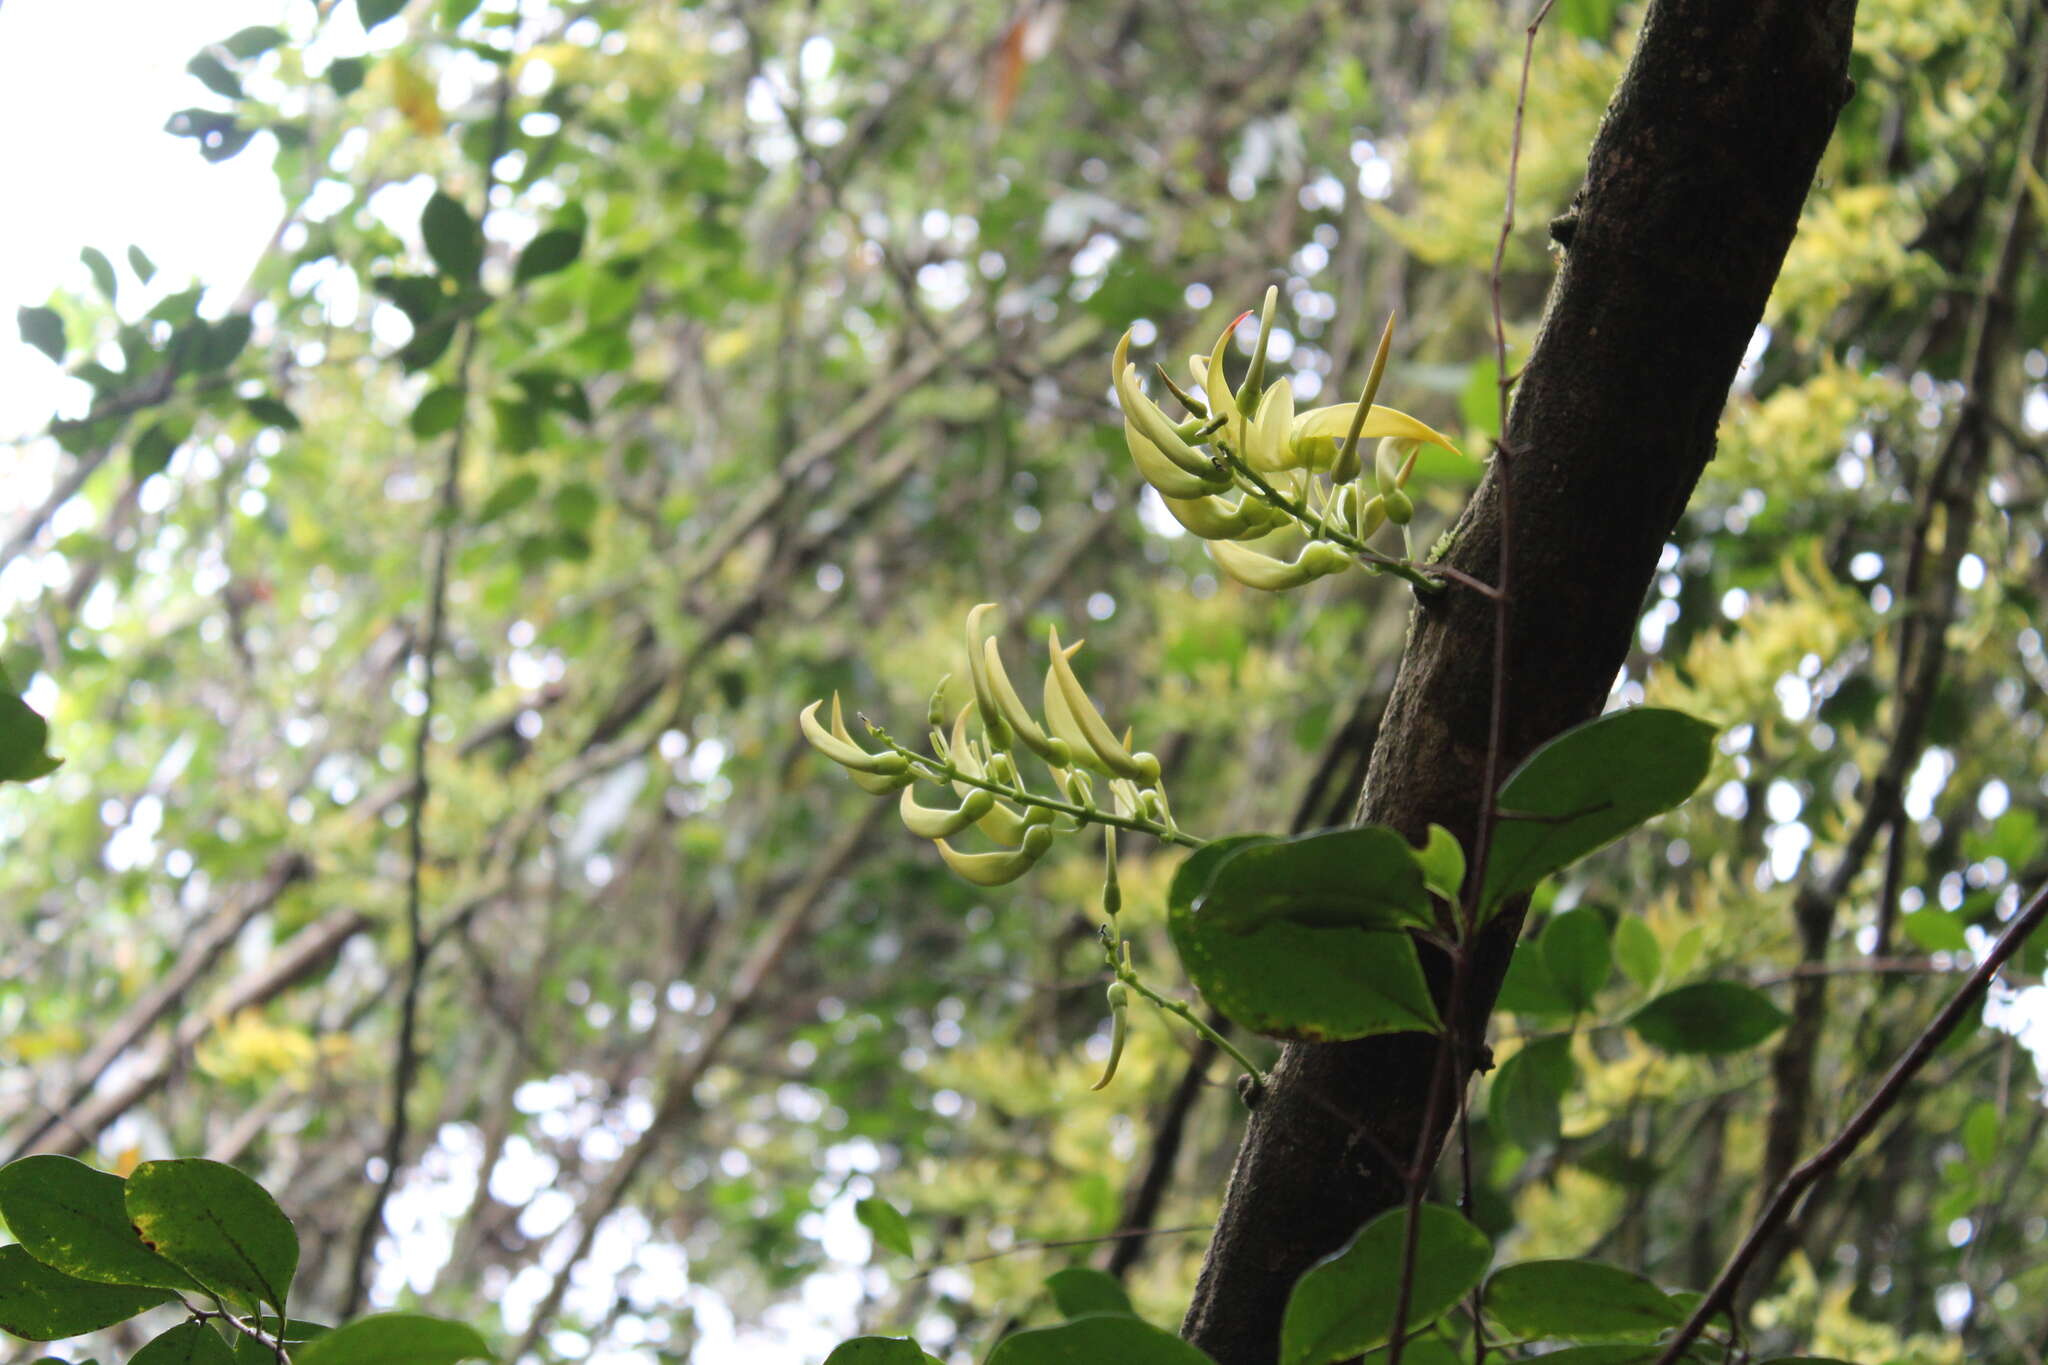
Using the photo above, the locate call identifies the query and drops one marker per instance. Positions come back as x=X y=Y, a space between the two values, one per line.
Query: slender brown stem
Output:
x=1808 y=1173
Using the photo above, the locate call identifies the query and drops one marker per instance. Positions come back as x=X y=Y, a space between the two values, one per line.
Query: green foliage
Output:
x=1085 y=1341
x=217 y=1225
x=1080 y=1290
x=1290 y=980
x=1345 y=1303
x=1588 y=787
x=1708 y=1017
x=1578 y=1301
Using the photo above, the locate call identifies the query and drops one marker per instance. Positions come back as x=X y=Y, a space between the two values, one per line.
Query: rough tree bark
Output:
x=1692 y=193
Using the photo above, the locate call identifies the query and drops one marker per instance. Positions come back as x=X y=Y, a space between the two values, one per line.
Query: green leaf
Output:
x=395 y=1339
x=212 y=73
x=1080 y=1290
x=1344 y=1303
x=1637 y=952
x=576 y=506
x=254 y=42
x=886 y=1222
x=512 y=493
x=454 y=241
x=223 y=342
x=439 y=411
x=1443 y=863
x=41 y=1304
x=189 y=1343
x=1578 y=1301
x=1098 y=1340
x=1587 y=18
x=1291 y=981
x=151 y=452
x=550 y=251
x=1980 y=1133
x=1527 y=987
x=518 y=425
x=1590 y=786
x=428 y=345
x=72 y=1218
x=1576 y=952
x=102 y=271
x=345 y=74
x=139 y=262
x=877 y=1351
x=43 y=329
x=370 y=13
x=1604 y=1355
x=453 y=12
x=1364 y=878
x=1936 y=930
x=24 y=740
x=271 y=412
x=218 y=1225
x=1529 y=1090
x=1708 y=1017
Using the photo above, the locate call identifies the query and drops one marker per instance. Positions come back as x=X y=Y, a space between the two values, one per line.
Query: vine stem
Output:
x=1196 y=1022
x=1416 y=575
x=1451 y=1052
x=941 y=771
x=1794 y=1187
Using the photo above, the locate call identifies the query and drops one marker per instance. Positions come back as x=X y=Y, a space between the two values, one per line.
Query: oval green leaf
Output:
x=454 y=242
x=1365 y=878
x=1097 y=1340
x=396 y=1339
x=218 y=1225
x=1080 y=1290
x=882 y=1218
x=42 y=328
x=1290 y=981
x=1578 y=1301
x=1575 y=950
x=189 y=1343
x=1587 y=788
x=1637 y=952
x=1528 y=1093
x=1708 y=1017
x=555 y=249
x=73 y=1219
x=41 y=1304
x=1344 y=1303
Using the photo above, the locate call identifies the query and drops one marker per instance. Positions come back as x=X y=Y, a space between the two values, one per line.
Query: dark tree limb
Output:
x=1693 y=191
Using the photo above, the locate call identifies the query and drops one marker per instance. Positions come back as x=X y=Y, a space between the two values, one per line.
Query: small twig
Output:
x=1888 y=1093
x=1194 y=1021
x=447 y=514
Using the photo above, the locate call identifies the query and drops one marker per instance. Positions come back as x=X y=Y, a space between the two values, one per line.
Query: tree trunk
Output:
x=1692 y=192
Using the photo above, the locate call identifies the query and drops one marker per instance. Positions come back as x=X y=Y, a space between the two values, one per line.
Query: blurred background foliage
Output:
x=810 y=357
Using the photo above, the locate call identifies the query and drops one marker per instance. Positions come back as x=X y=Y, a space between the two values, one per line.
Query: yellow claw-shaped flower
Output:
x=996 y=869
x=1262 y=571
x=1094 y=730
x=936 y=822
x=878 y=773
x=1002 y=824
x=1144 y=415
x=1317 y=433
x=993 y=681
x=1213 y=518
x=1216 y=389
x=1268 y=442
x=1162 y=473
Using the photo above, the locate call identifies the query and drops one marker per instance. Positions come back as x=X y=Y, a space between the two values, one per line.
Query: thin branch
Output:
x=447 y=516
x=1888 y=1093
